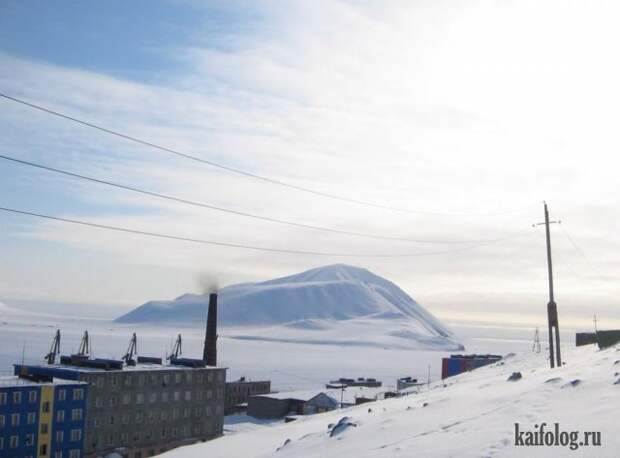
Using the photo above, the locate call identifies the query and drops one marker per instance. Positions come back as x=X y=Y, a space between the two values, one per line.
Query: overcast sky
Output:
x=471 y=112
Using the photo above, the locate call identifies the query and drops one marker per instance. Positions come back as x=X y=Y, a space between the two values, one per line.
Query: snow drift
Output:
x=335 y=292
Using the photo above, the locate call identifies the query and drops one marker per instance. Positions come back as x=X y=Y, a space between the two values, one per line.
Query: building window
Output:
x=76 y=414
x=114 y=380
x=139 y=398
x=44 y=428
x=141 y=380
x=14 y=441
x=125 y=419
x=163 y=433
x=17 y=397
x=177 y=395
x=166 y=379
x=100 y=382
x=186 y=412
x=210 y=376
x=111 y=419
x=209 y=394
x=43 y=450
x=60 y=416
x=124 y=438
x=58 y=454
x=60 y=436
x=45 y=407
x=76 y=435
x=96 y=422
x=75 y=453
x=2 y=399
x=29 y=440
x=127 y=380
x=188 y=395
x=139 y=417
x=32 y=418
x=62 y=394
x=1 y=421
x=126 y=398
x=174 y=432
x=98 y=401
x=113 y=400
x=153 y=397
x=1 y=443
x=32 y=396
x=164 y=396
x=78 y=394
x=136 y=436
x=188 y=377
x=177 y=377
x=15 y=419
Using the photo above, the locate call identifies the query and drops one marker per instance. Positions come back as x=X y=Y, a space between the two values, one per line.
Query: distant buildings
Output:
x=361 y=381
x=603 y=339
x=278 y=405
x=407 y=382
x=42 y=419
x=457 y=364
x=239 y=391
x=146 y=409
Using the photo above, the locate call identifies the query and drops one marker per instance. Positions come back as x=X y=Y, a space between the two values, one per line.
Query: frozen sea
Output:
x=253 y=352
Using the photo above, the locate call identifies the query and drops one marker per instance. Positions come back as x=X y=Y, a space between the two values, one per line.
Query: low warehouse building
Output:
x=239 y=391
x=278 y=405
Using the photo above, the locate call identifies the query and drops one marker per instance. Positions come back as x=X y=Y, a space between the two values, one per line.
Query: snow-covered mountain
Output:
x=335 y=292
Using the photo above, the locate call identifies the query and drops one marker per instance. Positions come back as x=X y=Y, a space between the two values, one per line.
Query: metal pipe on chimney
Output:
x=209 y=355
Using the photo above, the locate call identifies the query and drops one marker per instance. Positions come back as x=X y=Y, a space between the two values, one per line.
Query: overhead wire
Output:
x=238 y=212
x=235 y=245
x=239 y=171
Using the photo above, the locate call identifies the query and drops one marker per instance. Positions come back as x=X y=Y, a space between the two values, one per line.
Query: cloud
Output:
x=481 y=109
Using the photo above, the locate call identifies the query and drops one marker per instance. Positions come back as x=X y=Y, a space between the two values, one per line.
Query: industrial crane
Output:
x=54 y=349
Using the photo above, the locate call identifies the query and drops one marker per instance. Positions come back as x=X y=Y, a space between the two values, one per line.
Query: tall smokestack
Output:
x=210 y=351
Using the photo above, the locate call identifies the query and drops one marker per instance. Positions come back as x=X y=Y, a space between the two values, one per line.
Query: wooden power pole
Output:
x=552 y=308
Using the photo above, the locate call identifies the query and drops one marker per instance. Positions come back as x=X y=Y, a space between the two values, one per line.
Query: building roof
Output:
x=137 y=368
x=297 y=395
x=9 y=381
x=349 y=395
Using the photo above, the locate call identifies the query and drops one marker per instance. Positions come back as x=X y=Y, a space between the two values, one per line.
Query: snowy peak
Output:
x=334 y=272
x=334 y=292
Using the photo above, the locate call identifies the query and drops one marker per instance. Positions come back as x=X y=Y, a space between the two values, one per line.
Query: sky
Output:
x=469 y=114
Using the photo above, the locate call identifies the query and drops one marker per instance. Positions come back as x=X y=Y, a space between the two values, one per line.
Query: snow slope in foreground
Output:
x=472 y=416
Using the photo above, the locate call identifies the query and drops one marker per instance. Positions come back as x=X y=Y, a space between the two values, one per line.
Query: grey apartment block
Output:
x=143 y=411
x=238 y=392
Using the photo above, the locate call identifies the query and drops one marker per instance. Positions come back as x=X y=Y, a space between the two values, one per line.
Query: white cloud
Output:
x=490 y=107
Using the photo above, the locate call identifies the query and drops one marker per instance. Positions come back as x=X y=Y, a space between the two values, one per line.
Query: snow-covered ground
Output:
x=471 y=415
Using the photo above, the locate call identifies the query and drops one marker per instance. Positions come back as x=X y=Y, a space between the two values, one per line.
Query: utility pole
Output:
x=552 y=308
x=595 y=328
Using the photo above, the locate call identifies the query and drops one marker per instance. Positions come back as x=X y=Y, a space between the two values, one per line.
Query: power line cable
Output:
x=244 y=172
x=238 y=212
x=233 y=245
